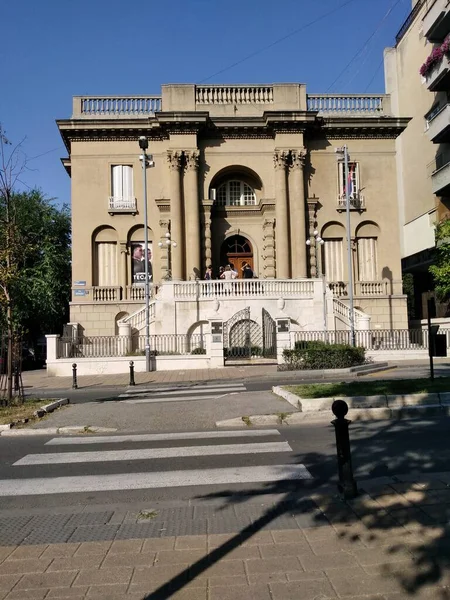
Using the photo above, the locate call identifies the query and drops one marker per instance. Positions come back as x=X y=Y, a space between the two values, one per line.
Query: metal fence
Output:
x=115 y=346
x=375 y=339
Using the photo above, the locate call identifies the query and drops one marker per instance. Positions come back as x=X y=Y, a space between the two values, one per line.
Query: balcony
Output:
x=440 y=174
x=118 y=205
x=115 y=107
x=436 y=22
x=438 y=124
x=357 y=202
x=438 y=78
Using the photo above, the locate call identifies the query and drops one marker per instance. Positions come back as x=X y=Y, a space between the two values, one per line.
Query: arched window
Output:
x=235 y=193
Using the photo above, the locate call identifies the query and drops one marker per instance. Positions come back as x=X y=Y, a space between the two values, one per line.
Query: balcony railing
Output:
x=243 y=288
x=371 y=288
x=234 y=94
x=439 y=170
x=436 y=21
x=122 y=205
x=354 y=105
x=357 y=202
x=115 y=106
x=438 y=124
x=106 y=293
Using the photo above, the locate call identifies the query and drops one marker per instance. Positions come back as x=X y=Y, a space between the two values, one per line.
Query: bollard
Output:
x=132 y=373
x=74 y=377
x=347 y=485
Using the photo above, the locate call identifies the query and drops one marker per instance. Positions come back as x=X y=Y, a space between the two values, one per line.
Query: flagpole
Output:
x=349 y=248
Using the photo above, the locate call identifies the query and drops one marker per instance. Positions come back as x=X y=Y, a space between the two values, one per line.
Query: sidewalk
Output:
x=391 y=543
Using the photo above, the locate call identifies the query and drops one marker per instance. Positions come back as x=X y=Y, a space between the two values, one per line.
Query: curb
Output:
x=72 y=430
x=38 y=413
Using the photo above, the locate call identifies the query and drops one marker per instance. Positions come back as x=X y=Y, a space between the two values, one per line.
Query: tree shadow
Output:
x=397 y=529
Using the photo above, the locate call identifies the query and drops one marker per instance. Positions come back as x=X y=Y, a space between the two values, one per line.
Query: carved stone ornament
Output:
x=280 y=159
x=192 y=158
x=281 y=303
x=298 y=158
x=174 y=159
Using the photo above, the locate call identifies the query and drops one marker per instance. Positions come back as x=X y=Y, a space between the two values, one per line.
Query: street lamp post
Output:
x=147 y=161
x=343 y=151
x=319 y=242
x=170 y=244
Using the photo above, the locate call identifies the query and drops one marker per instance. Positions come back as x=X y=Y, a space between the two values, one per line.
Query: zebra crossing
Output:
x=144 y=461
x=210 y=391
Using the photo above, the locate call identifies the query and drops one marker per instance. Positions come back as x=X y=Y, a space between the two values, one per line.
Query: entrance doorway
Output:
x=237 y=250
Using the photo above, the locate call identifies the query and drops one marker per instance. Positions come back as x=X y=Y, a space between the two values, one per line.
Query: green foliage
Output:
x=318 y=355
x=441 y=269
x=35 y=267
x=199 y=351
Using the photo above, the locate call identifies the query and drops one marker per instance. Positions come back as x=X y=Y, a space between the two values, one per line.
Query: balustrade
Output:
x=236 y=94
x=106 y=294
x=351 y=105
x=243 y=288
x=371 y=288
x=115 y=106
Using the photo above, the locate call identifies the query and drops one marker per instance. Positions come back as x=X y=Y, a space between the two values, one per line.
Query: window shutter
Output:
x=107 y=264
x=333 y=250
x=367 y=259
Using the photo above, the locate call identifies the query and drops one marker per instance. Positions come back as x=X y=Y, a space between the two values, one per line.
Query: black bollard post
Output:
x=132 y=373
x=74 y=377
x=347 y=485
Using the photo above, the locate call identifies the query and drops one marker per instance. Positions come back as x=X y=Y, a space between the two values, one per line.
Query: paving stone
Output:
x=224 y=525
x=14 y=522
x=282 y=522
x=51 y=521
x=94 y=534
x=219 y=580
x=49 y=535
x=319 y=533
x=46 y=580
x=153 y=529
x=255 y=578
x=93 y=548
x=27 y=565
x=305 y=575
x=119 y=575
x=206 y=512
x=89 y=519
x=298 y=549
x=238 y=592
x=59 y=550
x=12 y=538
x=288 y=536
x=68 y=592
x=7 y=582
x=126 y=546
x=242 y=552
x=179 y=556
x=6 y=551
x=157 y=544
x=306 y=590
x=191 y=527
x=23 y=552
x=108 y=592
x=336 y=545
x=157 y=573
x=218 y=539
x=272 y=565
x=195 y=542
x=27 y=594
x=75 y=562
x=260 y=538
x=328 y=561
x=129 y=560
x=373 y=556
x=347 y=586
x=226 y=567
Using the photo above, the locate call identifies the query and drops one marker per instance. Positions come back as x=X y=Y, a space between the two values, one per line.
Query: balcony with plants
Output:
x=435 y=70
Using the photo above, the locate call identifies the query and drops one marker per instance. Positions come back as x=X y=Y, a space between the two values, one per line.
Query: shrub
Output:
x=199 y=351
x=318 y=355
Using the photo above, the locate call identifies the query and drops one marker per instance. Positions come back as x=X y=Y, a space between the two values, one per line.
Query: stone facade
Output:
x=240 y=173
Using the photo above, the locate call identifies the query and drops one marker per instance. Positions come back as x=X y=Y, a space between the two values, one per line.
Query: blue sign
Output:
x=81 y=292
x=79 y=283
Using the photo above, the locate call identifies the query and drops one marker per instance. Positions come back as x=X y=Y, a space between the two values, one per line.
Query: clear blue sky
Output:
x=55 y=49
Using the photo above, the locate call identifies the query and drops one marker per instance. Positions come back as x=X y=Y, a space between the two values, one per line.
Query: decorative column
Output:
x=176 y=213
x=269 y=249
x=206 y=222
x=192 y=216
x=312 y=213
x=164 y=225
x=297 y=213
x=123 y=270
x=282 y=216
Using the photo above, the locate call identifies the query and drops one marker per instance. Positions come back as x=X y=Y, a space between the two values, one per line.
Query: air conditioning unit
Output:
x=212 y=194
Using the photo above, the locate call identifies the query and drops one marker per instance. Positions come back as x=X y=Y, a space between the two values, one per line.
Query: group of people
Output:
x=229 y=272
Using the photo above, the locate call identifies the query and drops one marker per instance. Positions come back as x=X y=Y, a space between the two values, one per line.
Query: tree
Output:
x=34 y=257
x=441 y=269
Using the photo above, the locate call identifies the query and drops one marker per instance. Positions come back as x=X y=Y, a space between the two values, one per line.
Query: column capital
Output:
x=298 y=158
x=192 y=158
x=123 y=247
x=164 y=224
x=174 y=159
x=280 y=158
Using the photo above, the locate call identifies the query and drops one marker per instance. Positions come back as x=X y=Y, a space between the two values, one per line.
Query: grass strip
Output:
x=16 y=411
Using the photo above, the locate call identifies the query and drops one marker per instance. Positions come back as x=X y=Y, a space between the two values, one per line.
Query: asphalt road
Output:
x=380 y=449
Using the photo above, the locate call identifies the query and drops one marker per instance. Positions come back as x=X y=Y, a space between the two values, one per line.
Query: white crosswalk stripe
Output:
x=180 y=393
x=234 y=447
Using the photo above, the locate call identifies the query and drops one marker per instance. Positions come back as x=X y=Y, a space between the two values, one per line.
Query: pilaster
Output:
x=192 y=215
x=176 y=213
x=282 y=217
x=164 y=226
x=312 y=215
x=123 y=267
x=268 y=249
x=297 y=213
x=206 y=222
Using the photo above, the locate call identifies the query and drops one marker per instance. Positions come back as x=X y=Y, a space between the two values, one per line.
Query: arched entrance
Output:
x=237 y=250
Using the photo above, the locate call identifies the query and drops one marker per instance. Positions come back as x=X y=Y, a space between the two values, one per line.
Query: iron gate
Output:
x=244 y=338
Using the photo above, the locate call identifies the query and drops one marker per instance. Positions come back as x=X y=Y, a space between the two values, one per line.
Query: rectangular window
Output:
x=106 y=264
x=353 y=180
x=334 y=261
x=122 y=182
x=367 y=259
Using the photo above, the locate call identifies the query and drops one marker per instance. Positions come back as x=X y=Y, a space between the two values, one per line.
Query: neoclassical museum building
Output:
x=238 y=173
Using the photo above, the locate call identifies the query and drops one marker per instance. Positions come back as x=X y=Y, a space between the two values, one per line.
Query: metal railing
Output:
x=357 y=202
x=121 y=345
x=409 y=20
x=375 y=339
x=349 y=104
x=122 y=204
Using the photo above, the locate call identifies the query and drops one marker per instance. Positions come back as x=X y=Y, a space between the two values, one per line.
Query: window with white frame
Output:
x=235 y=193
x=353 y=180
x=122 y=182
x=333 y=251
x=367 y=258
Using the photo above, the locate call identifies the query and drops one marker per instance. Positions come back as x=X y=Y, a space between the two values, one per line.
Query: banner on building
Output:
x=138 y=257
